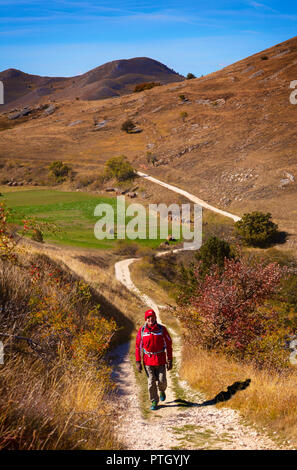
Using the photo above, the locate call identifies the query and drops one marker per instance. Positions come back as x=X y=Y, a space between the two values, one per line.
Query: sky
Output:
x=67 y=38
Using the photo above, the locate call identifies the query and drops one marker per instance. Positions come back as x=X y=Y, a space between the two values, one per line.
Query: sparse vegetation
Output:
x=54 y=378
x=128 y=126
x=256 y=228
x=119 y=168
x=145 y=86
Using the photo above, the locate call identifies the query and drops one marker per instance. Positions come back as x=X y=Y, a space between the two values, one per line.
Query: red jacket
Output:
x=155 y=340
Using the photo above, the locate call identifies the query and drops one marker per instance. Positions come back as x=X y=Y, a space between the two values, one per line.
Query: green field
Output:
x=72 y=212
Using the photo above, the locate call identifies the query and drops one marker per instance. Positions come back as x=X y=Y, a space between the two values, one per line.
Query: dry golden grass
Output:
x=269 y=401
x=60 y=407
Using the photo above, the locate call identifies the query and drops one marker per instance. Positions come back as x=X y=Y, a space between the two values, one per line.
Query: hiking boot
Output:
x=154 y=405
x=162 y=396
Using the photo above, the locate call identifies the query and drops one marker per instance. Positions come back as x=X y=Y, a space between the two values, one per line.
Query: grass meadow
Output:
x=72 y=212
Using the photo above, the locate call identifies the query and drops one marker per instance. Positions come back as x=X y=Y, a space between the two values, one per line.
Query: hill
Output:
x=111 y=79
x=231 y=139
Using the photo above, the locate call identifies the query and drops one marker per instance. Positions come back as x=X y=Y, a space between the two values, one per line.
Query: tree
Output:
x=190 y=76
x=256 y=228
x=214 y=251
x=211 y=255
x=127 y=126
x=119 y=168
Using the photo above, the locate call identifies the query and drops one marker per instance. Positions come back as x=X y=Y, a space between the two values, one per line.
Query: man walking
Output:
x=154 y=341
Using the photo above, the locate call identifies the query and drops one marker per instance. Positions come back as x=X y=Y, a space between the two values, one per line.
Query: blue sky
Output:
x=65 y=38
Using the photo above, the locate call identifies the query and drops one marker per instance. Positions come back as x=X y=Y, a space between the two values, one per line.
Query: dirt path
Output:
x=174 y=426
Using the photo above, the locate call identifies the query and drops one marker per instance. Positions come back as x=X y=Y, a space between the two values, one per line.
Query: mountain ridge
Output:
x=113 y=78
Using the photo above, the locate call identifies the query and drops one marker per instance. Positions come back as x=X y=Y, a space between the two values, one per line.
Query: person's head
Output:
x=150 y=317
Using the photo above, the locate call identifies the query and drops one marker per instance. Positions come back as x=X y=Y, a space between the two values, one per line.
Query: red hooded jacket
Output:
x=154 y=340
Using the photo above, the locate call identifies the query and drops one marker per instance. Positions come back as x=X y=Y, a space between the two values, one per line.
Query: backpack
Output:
x=161 y=330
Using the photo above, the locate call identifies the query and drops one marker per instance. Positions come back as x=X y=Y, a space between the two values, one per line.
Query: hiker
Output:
x=154 y=340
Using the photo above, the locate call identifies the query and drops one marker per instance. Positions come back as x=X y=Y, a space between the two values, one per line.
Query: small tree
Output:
x=211 y=255
x=183 y=115
x=190 y=76
x=127 y=126
x=150 y=158
x=256 y=228
x=119 y=168
x=59 y=170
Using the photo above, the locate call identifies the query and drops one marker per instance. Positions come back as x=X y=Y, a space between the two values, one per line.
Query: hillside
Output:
x=235 y=148
x=111 y=79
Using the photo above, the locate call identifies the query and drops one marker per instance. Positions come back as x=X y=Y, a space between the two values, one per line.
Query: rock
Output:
x=23 y=112
x=100 y=125
x=74 y=123
x=135 y=130
x=289 y=176
x=49 y=110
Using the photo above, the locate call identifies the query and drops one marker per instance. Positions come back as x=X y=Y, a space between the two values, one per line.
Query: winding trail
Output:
x=173 y=426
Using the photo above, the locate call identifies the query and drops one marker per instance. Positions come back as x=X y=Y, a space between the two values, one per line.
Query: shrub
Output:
x=226 y=310
x=182 y=97
x=150 y=158
x=183 y=115
x=214 y=251
x=59 y=170
x=256 y=228
x=119 y=168
x=190 y=76
x=127 y=126
x=145 y=86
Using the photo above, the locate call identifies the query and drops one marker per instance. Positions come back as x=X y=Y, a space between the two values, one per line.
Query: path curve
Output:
x=172 y=427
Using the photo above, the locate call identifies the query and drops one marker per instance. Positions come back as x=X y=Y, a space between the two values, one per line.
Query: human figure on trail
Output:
x=155 y=343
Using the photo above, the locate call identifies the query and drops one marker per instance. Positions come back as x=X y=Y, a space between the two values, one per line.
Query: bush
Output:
x=119 y=168
x=256 y=228
x=214 y=251
x=59 y=170
x=145 y=86
x=190 y=76
x=227 y=312
x=150 y=158
x=183 y=115
x=128 y=126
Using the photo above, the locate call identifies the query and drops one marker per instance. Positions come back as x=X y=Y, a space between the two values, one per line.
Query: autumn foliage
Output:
x=227 y=309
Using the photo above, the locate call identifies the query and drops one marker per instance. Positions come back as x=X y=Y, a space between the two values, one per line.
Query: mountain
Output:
x=111 y=79
x=231 y=141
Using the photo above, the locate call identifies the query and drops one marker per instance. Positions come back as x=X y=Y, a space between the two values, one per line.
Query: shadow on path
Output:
x=220 y=397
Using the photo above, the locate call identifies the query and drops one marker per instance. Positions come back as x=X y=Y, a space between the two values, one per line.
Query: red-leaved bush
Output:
x=225 y=311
